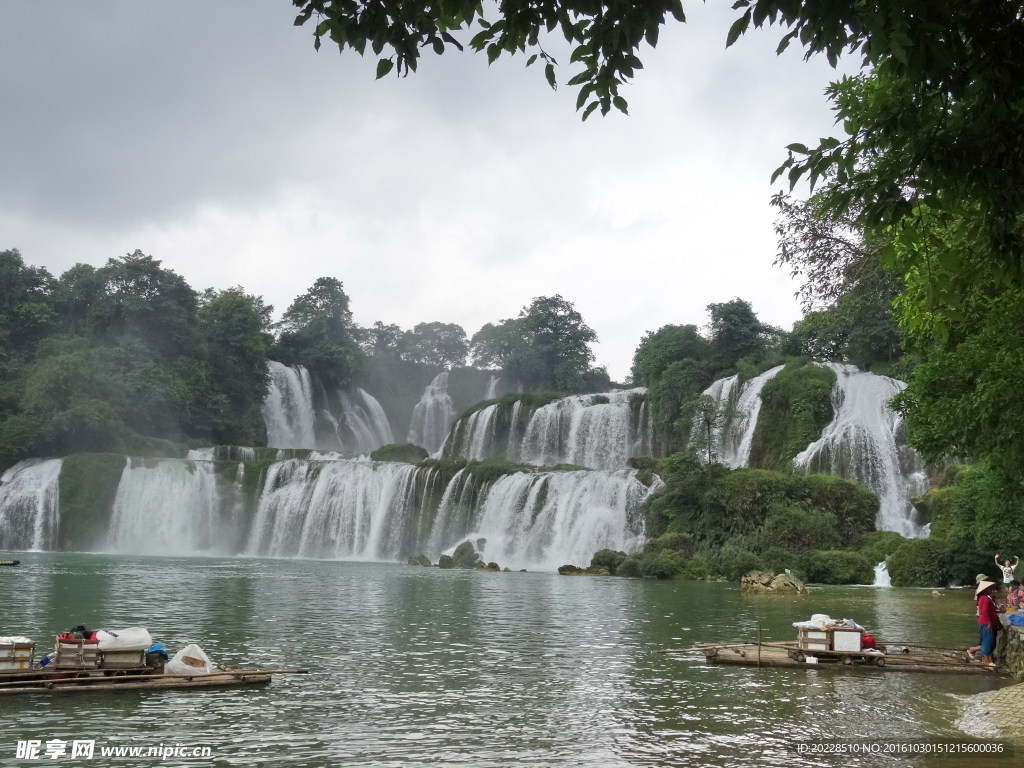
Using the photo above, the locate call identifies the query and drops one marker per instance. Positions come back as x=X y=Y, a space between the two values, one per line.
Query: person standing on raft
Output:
x=1007 y=570
x=988 y=621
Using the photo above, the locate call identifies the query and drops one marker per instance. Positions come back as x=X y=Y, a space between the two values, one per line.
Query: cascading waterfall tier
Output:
x=544 y=519
x=865 y=441
x=178 y=507
x=30 y=505
x=299 y=412
x=736 y=407
x=432 y=415
x=340 y=508
x=594 y=431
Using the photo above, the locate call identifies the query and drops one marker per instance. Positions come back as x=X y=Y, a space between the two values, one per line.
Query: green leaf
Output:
x=620 y=104
x=738 y=28
x=532 y=59
x=592 y=106
x=383 y=67
x=549 y=73
x=438 y=46
x=798 y=148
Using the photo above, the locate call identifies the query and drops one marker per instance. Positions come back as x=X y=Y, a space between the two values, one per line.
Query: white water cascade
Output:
x=737 y=408
x=176 y=507
x=300 y=413
x=288 y=410
x=336 y=509
x=882 y=575
x=578 y=430
x=432 y=416
x=593 y=431
x=864 y=442
x=30 y=505
x=549 y=519
x=344 y=508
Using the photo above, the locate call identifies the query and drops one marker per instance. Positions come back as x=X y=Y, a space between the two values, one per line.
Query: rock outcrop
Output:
x=759 y=581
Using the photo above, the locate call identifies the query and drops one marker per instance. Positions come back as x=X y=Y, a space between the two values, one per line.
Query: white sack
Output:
x=190 y=660
x=130 y=639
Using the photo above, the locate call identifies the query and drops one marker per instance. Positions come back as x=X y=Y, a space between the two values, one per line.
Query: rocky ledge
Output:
x=759 y=581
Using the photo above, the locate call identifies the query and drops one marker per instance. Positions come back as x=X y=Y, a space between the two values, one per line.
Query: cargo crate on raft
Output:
x=16 y=656
x=76 y=654
x=121 y=659
x=836 y=639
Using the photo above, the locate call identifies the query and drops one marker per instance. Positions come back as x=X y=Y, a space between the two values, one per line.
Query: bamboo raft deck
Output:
x=928 y=659
x=72 y=681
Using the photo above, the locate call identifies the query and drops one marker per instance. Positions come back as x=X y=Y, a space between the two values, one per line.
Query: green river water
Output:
x=422 y=667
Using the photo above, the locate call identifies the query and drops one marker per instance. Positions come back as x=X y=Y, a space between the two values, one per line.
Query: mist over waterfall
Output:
x=737 y=406
x=433 y=414
x=864 y=442
x=594 y=431
x=299 y=412
x=30 y=504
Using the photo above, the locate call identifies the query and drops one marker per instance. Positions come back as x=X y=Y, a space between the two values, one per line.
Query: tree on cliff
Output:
x=669 y=344
x=440 y=344
x=546 y=347
x=317 y=331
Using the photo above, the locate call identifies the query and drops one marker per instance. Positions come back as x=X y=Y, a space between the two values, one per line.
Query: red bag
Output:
x=867 y=641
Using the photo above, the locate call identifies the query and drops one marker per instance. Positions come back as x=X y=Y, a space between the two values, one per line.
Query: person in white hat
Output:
x=988 y=620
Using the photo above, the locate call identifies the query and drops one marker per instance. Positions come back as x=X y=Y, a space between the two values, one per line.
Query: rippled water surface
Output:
x=422 y=667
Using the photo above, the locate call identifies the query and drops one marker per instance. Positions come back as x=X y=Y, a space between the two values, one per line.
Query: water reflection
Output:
x=421 y=667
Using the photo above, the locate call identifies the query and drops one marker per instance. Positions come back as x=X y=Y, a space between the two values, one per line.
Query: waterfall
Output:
x=492 y=387
x=548 y=519
x=367 y=421
x=288 y=410
x=336 y=509
x=594 y=431
x=300 y=413
x=342 y=508
x=30 y=505
x=177 y=507
x=882 y=575
x=863 y=442
x=432 y=415
x=737 y=408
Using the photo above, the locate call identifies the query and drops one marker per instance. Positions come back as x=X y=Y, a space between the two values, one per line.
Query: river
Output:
x=422 y=667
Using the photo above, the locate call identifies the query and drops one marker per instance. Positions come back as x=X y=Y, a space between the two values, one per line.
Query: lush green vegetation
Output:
x=129 y=359
x=547 y=347
x=712 y=522
x=676 y=363
x=796 y=406
x=126 y=358
x=406 y=452
x=87 y=487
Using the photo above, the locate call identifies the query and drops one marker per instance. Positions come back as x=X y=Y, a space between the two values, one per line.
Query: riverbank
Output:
x=1000 y=714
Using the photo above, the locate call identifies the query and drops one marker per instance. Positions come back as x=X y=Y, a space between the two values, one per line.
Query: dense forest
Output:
x=128 y=358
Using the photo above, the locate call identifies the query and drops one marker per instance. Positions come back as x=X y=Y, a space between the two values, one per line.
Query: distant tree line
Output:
x=129 y=358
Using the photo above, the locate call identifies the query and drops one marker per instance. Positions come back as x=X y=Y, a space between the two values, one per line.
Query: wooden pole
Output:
x=758 y=646
x=93 y=679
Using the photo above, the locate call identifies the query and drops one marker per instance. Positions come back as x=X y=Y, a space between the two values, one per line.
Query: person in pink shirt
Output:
x=988 y=620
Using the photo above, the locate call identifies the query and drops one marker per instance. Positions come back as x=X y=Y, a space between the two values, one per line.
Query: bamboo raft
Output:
x=911 y=657
x=142 y=679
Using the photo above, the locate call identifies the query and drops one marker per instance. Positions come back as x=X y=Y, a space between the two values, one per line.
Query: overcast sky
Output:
x=211 y=136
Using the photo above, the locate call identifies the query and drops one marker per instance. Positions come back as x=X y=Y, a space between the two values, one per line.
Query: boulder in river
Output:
x=759 y=581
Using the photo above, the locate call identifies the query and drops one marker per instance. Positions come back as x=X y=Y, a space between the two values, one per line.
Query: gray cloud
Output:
x=212 y=136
